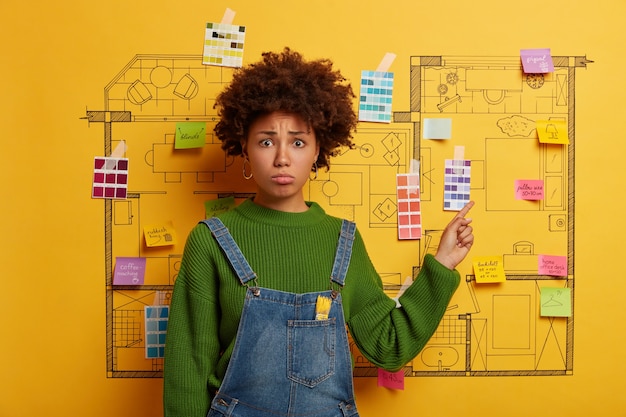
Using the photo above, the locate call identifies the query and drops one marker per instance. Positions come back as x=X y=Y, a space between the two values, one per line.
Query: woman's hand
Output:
x=456 y=240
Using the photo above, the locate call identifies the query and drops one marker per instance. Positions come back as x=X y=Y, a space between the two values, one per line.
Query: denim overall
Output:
x=284 y=362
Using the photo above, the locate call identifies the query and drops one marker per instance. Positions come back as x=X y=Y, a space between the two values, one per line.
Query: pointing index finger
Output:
x=466 y=208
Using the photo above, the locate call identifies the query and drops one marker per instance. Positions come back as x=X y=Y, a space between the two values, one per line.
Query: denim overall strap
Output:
x=344 y=252
x=231 y=250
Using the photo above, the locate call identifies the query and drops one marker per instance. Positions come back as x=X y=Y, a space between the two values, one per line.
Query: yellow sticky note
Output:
x=159 y=234
x=552 y=131
x=488 y=269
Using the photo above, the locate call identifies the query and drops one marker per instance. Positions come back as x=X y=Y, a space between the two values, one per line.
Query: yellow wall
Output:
x=56 y=59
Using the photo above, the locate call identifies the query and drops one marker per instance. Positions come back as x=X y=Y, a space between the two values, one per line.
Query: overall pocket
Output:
x=311 y=350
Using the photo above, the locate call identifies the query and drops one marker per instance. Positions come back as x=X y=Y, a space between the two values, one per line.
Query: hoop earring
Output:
x=315 y=171
x=244 y=169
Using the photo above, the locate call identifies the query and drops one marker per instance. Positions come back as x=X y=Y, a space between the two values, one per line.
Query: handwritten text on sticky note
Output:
x=552 y=265
x=488 y=269
x=393 y=380
x=190 y=135
x=159 y=234
x=129 y=271
x=529 y=189
x=218 y=206
x=536 y=61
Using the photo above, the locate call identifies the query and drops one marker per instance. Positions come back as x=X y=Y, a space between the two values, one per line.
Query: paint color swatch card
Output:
x=456 y=184
x=409 y=206
x=375 y=97
x=223 y=45
x=110 y=178
x=156 y=328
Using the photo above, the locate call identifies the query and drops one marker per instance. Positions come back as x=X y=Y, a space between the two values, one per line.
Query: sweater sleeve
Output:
x=192 y=343
x=389 y=337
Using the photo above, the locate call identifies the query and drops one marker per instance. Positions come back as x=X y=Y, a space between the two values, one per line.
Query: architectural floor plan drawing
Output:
x=497 y=329
x=489 y=329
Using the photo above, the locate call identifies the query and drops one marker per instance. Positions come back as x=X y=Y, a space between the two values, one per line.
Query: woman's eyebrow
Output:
x=273 y=132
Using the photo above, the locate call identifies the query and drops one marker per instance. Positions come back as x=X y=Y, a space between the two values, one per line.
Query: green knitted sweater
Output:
x=290 y=252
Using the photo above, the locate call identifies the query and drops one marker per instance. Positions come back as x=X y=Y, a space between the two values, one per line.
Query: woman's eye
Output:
x=266 y=143
x=298 y=143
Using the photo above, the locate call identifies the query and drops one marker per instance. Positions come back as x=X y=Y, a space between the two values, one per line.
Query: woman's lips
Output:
x=283 y=179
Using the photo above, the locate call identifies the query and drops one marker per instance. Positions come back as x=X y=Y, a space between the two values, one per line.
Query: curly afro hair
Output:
x=286 y=82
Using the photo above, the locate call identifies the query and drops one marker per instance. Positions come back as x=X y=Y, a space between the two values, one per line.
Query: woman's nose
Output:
x=282 y=156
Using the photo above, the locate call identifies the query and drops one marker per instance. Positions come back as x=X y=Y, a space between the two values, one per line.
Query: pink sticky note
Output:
x=393 y=380
x=536 y=61
x=529 y=189
x=129 y=271
x=553 y=265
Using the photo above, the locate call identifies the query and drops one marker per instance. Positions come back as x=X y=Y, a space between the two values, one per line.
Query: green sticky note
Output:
x=556 y=302
x=190 y=135
x=220 y=205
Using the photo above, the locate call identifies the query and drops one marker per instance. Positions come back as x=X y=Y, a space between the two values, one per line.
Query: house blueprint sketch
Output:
x=488 y=330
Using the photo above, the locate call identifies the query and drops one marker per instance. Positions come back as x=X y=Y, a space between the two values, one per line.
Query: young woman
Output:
x=264 y=292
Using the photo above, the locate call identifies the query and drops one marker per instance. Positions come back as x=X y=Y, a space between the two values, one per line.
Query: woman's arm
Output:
x=192 y=345
x=387 y=336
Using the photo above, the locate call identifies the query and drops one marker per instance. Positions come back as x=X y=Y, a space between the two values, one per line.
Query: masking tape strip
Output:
x=160 y=298
x=414 y=167
x=457 y=162
x=229 y=16
x=386 y=62
x=117 y=153
x=459 y=153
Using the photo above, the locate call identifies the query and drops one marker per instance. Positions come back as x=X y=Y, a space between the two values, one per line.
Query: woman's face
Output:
x=281 y=149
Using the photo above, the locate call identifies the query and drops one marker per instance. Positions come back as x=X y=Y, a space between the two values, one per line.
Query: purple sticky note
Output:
x=129 y=271
x=536 y=61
